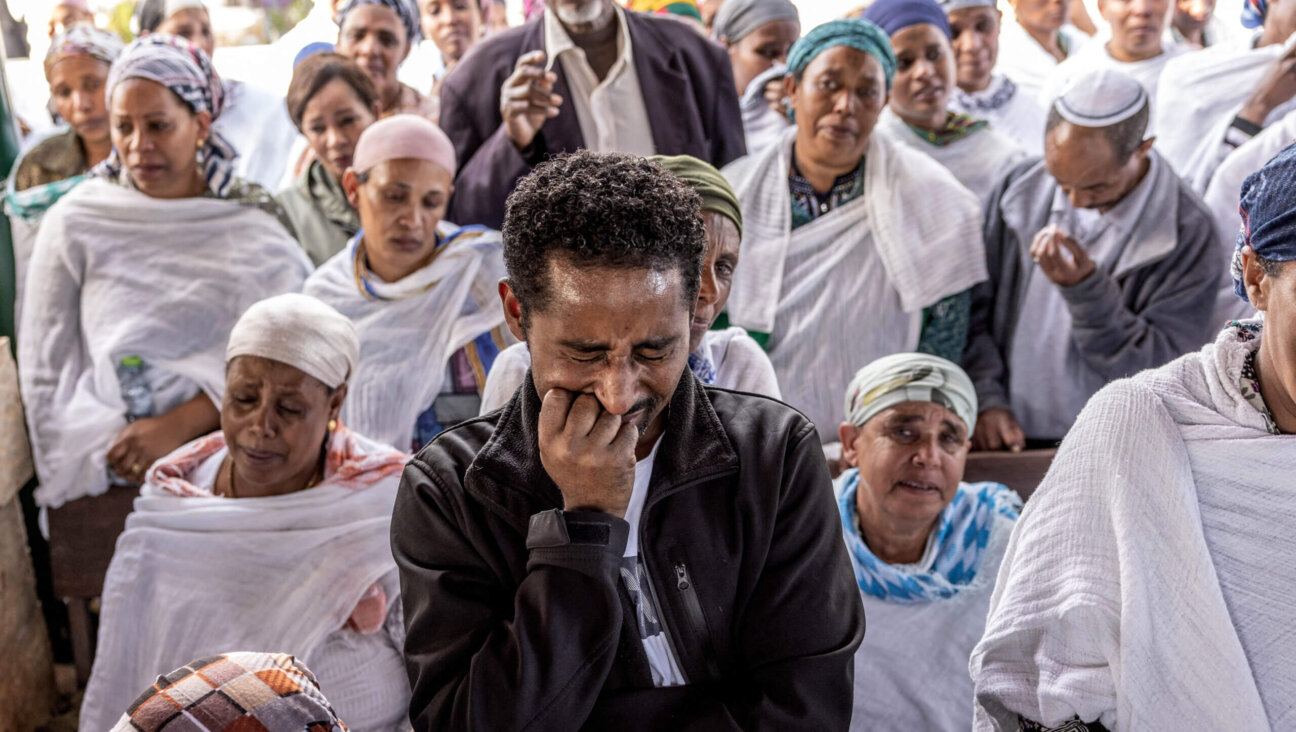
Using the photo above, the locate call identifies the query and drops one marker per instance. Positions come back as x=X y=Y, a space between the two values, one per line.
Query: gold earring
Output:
x=332 y=425
x=200 y=144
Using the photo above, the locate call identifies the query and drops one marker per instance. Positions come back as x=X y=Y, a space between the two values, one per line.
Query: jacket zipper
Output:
x=693 y=607
x=693 y=611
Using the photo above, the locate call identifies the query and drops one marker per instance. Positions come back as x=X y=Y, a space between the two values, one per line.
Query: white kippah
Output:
x=301 y=331
x=1101 y=98
x=950 y=6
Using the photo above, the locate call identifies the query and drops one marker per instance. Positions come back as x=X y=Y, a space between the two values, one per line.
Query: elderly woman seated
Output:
x=332 y=101
x=728 y=358
x=76 y=68
x=421 y=290
x=142 y=271
x=925 y=546
x=271 y=534
x=1150 y=584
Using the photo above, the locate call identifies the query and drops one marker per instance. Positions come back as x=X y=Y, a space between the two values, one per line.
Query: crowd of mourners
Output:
x=624 y=376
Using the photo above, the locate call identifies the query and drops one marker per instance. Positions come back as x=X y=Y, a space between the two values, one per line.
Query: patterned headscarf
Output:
x=910 y=377
x=186 y=70
x=83 y=39
x=1253 y=13
x=685 y=8
x=855 y=33
x=234 y=691
x=406 y=10
x=1268 y=209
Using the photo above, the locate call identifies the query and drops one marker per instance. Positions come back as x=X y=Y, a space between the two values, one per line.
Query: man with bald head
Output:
x=584 y=74
x=1102 y=264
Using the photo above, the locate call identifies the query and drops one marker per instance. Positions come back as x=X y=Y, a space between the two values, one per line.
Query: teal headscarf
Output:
x=862 y=35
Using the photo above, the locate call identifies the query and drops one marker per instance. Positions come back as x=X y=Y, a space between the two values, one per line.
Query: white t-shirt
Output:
x=665 y=669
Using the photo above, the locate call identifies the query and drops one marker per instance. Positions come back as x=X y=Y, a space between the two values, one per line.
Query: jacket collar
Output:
x=507 y=473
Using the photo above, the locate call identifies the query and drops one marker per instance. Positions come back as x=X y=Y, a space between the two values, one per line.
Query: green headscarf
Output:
x=717 y=195
x=862 y=35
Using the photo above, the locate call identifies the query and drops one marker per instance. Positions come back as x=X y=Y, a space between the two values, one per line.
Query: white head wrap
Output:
x=910 y=377
x=1101 y=98
x=300 y=331
x=736 y=19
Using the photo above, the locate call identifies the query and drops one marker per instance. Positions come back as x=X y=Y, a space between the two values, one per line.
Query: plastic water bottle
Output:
x=138 y=395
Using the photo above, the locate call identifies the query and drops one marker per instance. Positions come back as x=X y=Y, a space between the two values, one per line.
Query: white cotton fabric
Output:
x=740 y=365
x=1149 y=581
x=257 y=124
x=1208 y=88
x=1025 y=61
x=850 y=286
x=911 y=669
x=1093 y=57
x=1010 y=109
x=406 y=342
x=979 y=161
x=300 y=331
x=762 y=126
x=197 y=576
x=107 y=281
x=1222 y=198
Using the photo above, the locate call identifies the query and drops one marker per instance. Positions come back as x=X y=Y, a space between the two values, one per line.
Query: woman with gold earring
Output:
x=270 y=534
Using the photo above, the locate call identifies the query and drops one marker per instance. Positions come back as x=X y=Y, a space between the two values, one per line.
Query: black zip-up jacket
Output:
x=515 y=614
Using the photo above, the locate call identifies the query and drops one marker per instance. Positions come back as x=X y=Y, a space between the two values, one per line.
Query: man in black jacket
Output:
x=620 y=547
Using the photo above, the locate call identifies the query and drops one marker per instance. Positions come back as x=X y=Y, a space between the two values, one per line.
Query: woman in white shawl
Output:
x=1034 y=40
x=854 y=247
x=270 y=535
x=151 y=260
x=918 y=115
x=255 y=121
x=422 y=291
x=924 y=545
x=1149 y=582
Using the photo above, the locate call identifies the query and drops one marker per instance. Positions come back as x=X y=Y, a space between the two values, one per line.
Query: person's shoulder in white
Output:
x=506 y=375
x=740 y=362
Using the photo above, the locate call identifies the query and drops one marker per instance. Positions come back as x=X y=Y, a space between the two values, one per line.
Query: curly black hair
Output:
x=601 y=210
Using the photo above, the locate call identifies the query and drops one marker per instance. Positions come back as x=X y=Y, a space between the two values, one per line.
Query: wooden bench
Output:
x=1021 y=471
x=83 y=534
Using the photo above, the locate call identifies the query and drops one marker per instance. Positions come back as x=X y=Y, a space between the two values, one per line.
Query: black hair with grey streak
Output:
x=601 y=210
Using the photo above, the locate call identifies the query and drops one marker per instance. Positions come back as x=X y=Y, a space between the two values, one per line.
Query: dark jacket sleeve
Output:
x=983 y=356
x=804 y=620
x=480 y=655
x=728 y=142
x=489 y=163
x=1172 y=311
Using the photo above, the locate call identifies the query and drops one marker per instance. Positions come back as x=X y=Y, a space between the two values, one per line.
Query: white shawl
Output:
x=927 y=228
x=1108 y=604
x=1209 y=87
x=1022 y=59
x=406 y=342
x=116 y=273
x=257 y=124
x=197 y=576
x=979 y=161
x=1094 y=56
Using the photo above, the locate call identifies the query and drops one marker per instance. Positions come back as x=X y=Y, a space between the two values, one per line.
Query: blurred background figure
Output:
x=67 y=13
x=758 y=35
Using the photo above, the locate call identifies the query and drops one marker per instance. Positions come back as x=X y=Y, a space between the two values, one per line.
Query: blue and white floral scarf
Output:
x=962 y=533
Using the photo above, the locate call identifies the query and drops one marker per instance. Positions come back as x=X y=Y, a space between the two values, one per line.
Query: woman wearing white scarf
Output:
x=107 y=283
x=1149 y=582
x=422 y=292
x=269 y=535
x=924 y=545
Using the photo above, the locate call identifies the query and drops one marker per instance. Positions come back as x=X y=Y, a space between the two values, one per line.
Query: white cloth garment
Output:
x=107 y=282
x=196 y=576
x=911 y=669
x=762 y=126
x=662 y=664
x=1149 y=581
x=1051 y=381
x=979 y=160
x=1009 y=109
x=1209 y=88
x=739 y=362
x=850 y=286
x=257 y=124
x=611 y=113
x=1222 y=198
x=1022 y=59
x=1095 y=56
x=406 y=341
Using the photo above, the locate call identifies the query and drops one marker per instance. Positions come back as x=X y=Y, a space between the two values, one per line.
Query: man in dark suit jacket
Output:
x=507 y=106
